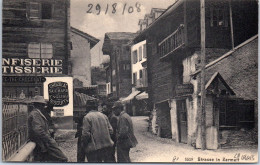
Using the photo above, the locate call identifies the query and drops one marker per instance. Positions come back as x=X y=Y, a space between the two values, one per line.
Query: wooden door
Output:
x=182 y=121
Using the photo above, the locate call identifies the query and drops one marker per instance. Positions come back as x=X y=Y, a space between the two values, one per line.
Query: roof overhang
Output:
x=92 y=40
x=167 y=12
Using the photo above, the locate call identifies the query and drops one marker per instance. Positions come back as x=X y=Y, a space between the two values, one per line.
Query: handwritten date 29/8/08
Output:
x=113 y=8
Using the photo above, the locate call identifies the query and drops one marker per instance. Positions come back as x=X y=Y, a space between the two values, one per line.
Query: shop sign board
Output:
x=23 y=79
x=184 y=89
x=31 y=66
x=58 y=93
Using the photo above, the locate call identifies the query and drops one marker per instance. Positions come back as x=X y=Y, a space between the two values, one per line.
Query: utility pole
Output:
x=231 y=25
x=202 y=80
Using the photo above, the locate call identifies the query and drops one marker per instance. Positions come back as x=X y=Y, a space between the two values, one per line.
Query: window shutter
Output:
x=34 y=50
x=34 y=10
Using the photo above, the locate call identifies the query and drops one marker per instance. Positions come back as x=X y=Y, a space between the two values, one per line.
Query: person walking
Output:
x=96 y=134
x=125 y=133
x=46 y=149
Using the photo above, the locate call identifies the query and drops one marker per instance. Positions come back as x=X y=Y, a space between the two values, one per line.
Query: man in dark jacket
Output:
x=113 y=119
x=125 y=133
x=46 y=149
x=96 y=134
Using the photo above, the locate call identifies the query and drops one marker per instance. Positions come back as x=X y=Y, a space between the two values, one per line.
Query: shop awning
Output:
x=80 y=99
x=142 y=96
x=130 y=97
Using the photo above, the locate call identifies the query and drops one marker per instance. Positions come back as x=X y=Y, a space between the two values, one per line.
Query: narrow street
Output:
x=152 y=148
x=155 y=149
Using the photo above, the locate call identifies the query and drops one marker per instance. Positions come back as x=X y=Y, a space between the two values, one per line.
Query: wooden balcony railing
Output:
x=173 y=42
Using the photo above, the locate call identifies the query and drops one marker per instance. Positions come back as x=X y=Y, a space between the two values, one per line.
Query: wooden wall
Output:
x=19 y=30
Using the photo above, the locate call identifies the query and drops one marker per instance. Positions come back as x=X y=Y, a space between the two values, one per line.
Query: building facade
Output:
x=117 y=47
x=173 y=56
x=36 y=44
x=81 y=43
x=35 y=61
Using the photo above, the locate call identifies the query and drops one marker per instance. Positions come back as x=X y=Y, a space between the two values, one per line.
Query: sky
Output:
x=98 y=22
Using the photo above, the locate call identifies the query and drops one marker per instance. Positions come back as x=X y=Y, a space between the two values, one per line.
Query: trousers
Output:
x=53 y=154
x=101 y=155
x=123 y=154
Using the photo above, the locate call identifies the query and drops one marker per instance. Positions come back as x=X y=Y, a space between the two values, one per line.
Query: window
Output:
x=140 y=53
x=140 y=74
x=145 y=55
x=114 y=88
x=114 y=72
x=134 y=54
x=34 y=10
x=46 y=10
x=126 y=66
x=134 y=78
x=40 y=50
x=40 y=11
x=218 y=17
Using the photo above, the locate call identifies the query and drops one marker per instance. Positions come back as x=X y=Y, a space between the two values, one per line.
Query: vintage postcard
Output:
x=121 y=81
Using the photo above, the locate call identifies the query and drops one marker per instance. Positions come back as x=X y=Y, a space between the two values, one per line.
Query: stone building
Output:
x=173 y=63
x=81 y=43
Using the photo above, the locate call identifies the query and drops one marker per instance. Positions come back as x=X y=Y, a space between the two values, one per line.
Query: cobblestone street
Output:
x=155 y=149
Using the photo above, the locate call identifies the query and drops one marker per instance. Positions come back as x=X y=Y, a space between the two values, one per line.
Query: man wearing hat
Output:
x=46 y=149
x=96 y=134
x=125 y=133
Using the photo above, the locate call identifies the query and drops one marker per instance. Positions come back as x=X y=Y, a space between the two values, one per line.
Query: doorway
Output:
x=182 y=120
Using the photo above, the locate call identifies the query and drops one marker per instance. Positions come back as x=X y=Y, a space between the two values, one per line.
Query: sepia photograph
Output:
x=130 y=81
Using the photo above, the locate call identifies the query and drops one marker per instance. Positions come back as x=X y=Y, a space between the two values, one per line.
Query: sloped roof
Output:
x=120 y=35
x=164 y=14
x=157 y=10
x=93 y=41
x=217 y=76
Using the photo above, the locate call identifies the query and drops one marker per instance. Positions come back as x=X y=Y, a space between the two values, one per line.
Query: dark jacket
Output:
x=113 y=119
x=38 y=126
x=125 y=131
x=96 y=124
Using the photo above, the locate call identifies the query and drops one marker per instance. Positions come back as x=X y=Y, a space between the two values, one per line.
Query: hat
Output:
x=118 y=104
x=38 y=99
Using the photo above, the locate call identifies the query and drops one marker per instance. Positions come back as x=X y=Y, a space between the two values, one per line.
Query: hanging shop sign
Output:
x=30 y=66
x=58 y=93
x=184 y=89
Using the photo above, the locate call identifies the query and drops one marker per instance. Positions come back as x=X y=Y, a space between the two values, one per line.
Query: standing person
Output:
x=113 y=119
x=47 y=113
x=96 y=134
x=80 y=149
x=125 y=133
x=46 y=149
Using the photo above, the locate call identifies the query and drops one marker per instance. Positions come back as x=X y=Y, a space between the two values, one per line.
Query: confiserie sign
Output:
x=28 y=66
x=58 y=93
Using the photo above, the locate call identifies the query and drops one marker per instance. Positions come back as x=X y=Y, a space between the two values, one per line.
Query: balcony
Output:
x=171 y=43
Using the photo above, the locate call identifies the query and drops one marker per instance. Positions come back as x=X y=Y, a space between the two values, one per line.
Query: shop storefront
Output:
x=24 y=78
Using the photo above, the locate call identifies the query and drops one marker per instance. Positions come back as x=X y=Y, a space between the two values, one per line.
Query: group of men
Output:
x=102 y=136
